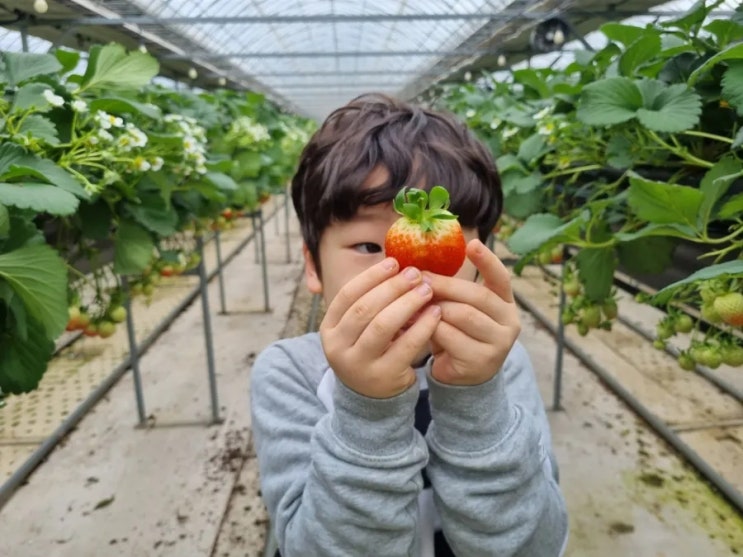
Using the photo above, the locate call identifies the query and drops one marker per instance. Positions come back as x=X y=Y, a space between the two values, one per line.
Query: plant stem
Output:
x=712 y=136
x=680 y=152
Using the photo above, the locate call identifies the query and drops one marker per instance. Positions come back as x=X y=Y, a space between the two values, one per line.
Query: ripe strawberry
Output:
x=730 y=308
x=427 y=235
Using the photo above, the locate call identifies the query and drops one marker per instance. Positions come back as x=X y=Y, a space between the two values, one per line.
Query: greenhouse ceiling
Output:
x=313 y=56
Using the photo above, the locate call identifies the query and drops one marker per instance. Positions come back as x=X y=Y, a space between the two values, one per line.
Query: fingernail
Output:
x=423 y=289
x=428 y=279
x=411 y=273
x=435 y=311
x=389 y=263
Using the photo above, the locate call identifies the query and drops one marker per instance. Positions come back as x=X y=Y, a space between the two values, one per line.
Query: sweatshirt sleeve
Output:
x=491 y=466
x=340 y=483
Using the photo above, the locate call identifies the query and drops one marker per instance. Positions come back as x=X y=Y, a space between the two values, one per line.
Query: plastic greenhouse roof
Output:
x=311 y=56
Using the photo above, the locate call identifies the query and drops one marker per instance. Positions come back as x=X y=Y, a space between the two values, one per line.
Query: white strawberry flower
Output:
x=104 y=119
x=52 y=99
x=79 y=105
x=470 y=113
x=542 y=114
x=510 y=132
x=495 y=123
x=141 y=164
x=105 y=135
x=157 y=163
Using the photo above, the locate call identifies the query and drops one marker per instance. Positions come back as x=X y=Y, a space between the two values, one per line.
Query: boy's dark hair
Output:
x=419 y=147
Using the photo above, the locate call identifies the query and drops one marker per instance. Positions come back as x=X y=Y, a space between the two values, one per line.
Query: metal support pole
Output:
x=277 y=223
x=133 y=352
x=220 y=274
x=24 y=37
x=204 y=284
x=254 y=222
x=557 y=391
x=264 y=263
x=286 y=227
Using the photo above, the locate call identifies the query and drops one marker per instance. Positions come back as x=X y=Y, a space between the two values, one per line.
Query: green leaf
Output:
x=694 y=16
x=738 y=139
x=111 y=67
x=596 y=268
x=95 y=219
x=521 y=205
x=118 y=105
x=42 y=198
x=49 y=171
x=619 y=152
x=647 y=255
x=669 y=108
x=642 y=50
x=509 y=162
x=4 y=222
x=675 y=230
x=621 y=33
x=221 y=181
x=15 y=306
x=20 y=66
x=31 y=96
x=714 y=185
x=664 y=295
x=133 y=248
x=725 y=31
x=67 y=58
x=154 y=215
x=23 y=362
x=610 y=101
x=38 y=275
x=39 y=127
x=543 y=230
x=732 y=86
x=733 y=52
x=532 y=149
x=438 y=198
x=733 y=207
x=661 y=203
x=531 y=79
x=519 y=182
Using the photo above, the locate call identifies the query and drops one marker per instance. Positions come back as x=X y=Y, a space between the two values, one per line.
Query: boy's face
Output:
x=348 y=248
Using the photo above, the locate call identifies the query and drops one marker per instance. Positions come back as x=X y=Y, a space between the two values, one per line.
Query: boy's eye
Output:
x=367 y=247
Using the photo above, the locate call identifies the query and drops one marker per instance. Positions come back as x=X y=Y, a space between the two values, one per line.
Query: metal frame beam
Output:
x=329 y=54
x=334 y=85
x=508 y=15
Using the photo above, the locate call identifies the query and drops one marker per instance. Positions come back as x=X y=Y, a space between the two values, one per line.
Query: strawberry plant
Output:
x=104 y=174
x=623 y=155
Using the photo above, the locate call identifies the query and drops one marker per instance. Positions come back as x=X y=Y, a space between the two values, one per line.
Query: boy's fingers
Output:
x=469 y=320
x=496 y=276
x=475 y=295
x=391 y=320
x=410 y=343
x=357 y=287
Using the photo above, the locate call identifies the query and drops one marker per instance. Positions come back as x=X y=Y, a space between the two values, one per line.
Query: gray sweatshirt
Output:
x=342 y=474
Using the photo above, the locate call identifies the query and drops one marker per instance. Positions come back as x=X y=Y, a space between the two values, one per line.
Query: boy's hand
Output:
x=361 y=332
x=479 y=322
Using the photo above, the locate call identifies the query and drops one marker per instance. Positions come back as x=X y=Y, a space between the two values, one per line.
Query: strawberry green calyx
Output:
x=424 y=208
x=427 y=235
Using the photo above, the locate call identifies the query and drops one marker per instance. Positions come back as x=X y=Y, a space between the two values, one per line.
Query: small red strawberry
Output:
x=427 y=235
x=730 y=308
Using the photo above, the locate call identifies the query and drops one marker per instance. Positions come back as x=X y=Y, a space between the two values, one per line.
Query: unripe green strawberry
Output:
x=685 y=361
x=582 y=329
x=544 y=258
x=571 y=287
x=664 y=330
x=710 y=313
x=730 y=308
x=590 y=316
x=610 y=309
x=732 y=355
x=711 y=357
x=683 y=324
x=659 y=344
x=427 y=235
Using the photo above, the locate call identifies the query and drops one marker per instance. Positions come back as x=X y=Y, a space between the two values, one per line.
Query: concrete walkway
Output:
x=185 y=488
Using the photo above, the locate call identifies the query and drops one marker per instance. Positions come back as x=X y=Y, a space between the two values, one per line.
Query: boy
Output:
x=411 y=424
